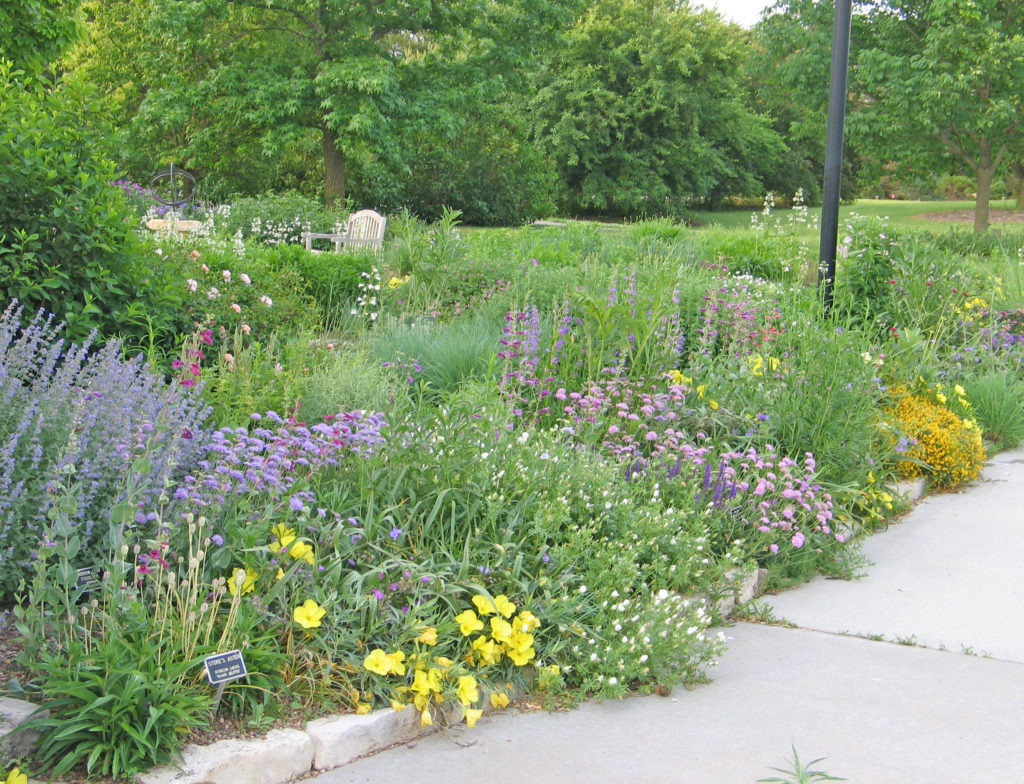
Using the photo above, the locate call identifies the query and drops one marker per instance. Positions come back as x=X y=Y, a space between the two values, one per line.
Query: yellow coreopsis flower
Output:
x=468 y=623
x=500 y=630
x=473 y=716
x=428 y=636
x=284 y=537
x=243 y=577
x=309 y=614
x=16 y=777
x=499 y=699
x=677 y=379
x=468 y=692
x=301 y=550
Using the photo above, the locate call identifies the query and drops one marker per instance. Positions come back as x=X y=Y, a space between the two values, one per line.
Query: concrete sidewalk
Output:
x=948 y=576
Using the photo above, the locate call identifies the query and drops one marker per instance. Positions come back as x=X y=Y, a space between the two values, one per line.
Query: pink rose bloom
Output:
x=205 y=268
x=245 y=279
x=236 y=307
x=195 y=254
x=226 y=274
x=245 y=329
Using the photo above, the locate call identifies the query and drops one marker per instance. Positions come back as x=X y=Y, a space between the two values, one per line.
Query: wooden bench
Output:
x=365 y=229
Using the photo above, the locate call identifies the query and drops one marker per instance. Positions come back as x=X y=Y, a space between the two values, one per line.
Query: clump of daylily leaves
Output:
x=436 y=680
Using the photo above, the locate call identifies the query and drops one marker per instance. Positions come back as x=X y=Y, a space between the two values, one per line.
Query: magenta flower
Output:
x=798 y=539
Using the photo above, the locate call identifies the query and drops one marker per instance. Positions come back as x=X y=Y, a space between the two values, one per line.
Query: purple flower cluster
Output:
x=735 y=321
x=73 y=419
x=270 y=460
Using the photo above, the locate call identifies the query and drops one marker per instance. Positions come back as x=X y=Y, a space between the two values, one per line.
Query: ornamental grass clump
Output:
x=932 y=440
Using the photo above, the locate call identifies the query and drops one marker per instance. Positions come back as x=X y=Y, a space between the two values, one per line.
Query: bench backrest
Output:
x=365 y=229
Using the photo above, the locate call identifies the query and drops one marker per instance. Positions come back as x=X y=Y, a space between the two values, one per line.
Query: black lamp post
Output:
x=834 y=152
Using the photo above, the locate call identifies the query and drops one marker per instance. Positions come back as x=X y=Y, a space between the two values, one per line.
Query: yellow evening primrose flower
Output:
x=16 y=777
x=280 y=573
x=362 y=708
x=520 y=641
x=522 y=656
x=505 y=607
x=397 y=706
x=309 y=614
x=425 y=718
x=488 y=650
x=284 y=537
x=301 y=550
x=428 y=636
x=484 y=605
x=940 y=397
x=247 y=579
x=468 y=692
x=714 y=405
x=959 y=390
x=756 y=363
x=396 y=660
x=473 y=716
x=468 y=623
x=377 y=661
x=499 y=699
x=526 y=622
x=500 y=630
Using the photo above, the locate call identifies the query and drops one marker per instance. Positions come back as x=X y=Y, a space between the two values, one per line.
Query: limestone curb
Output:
x=282 y=756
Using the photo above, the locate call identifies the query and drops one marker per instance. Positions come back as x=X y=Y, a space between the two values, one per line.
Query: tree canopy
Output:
x=643 y=112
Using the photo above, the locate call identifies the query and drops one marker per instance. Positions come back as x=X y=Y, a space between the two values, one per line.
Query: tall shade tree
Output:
x=643 y=112
x=34 y=33
x=947 y=76
x=787 y=68
x=271 y=73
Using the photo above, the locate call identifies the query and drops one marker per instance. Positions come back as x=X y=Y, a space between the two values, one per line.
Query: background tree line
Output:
x=514 y=109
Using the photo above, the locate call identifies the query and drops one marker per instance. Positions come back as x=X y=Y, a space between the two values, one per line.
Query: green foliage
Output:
x=955 y=186
x=67 y=241
x=945 y=82
x=800 y=773
x=441 y=357
x=34 y=33
x=276 y=218
x=996 y=402
x=672 y=127
x=331 y=279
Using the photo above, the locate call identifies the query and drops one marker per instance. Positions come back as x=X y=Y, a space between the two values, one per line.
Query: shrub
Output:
x=71 y=422
x=955 y=187
x=67 y=238
x=276 y=218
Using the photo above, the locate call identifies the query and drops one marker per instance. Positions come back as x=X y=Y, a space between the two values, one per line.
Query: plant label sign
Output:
x=224 y=667
x=89 y=578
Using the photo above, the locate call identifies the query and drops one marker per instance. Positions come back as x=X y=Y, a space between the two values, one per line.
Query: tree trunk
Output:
x=334 y=169
x=984 y=181
x=1018 y=170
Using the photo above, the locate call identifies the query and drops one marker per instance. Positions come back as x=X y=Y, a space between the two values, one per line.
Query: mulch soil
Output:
x=967 y=216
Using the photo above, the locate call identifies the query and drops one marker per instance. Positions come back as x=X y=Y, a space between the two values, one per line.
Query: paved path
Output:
x=949 y=578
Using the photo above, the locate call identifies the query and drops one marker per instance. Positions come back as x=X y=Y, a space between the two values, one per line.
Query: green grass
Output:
x=902 y=214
